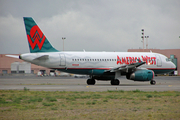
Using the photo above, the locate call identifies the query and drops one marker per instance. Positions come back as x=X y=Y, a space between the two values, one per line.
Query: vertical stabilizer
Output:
x=36 y=39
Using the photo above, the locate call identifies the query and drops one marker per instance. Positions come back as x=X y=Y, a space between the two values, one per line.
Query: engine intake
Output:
x=141 y=75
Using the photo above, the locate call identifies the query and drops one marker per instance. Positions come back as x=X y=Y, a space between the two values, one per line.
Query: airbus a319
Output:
x=104 y=66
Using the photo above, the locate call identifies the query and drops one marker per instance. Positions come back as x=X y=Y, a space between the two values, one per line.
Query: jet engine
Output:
x=141 y=75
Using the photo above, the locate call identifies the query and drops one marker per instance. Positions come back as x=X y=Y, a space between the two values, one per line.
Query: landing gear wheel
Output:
x=91 y=82
x=153 y=82
x=115 y=82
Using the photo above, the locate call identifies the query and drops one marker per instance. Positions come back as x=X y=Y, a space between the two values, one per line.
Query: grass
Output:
x=110 y=105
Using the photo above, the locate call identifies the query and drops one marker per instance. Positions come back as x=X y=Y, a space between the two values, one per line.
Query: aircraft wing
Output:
x=126 y=68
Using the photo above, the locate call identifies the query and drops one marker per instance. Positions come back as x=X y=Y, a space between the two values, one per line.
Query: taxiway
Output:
x=163 y=83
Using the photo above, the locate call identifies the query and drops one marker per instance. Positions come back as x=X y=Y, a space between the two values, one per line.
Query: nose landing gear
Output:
x=152 y=82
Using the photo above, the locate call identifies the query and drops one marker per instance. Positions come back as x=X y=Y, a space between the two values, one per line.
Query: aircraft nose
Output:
x=173 y=65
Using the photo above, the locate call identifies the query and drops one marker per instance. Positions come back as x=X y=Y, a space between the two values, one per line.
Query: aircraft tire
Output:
x=152 y=82
x=91 y=82
x=115 y=82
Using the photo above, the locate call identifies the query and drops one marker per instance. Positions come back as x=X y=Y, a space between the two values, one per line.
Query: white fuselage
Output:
x=99 y=60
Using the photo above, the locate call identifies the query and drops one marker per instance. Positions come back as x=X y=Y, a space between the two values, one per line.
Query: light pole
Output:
x=142 y=38
x=63 y=38
x=146 y=41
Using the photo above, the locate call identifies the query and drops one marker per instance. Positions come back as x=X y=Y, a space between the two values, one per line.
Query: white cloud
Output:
x=94 y=25
x=12 y=34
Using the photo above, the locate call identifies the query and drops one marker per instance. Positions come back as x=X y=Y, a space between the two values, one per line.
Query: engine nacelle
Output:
x=141 y=75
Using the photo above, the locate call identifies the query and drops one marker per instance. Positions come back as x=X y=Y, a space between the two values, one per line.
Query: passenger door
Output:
x=158 y=61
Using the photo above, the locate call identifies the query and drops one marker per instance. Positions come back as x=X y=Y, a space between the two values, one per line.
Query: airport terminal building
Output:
x=10 y=65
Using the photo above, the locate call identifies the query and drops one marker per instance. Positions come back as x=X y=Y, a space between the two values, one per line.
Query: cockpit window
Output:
x=167 y=59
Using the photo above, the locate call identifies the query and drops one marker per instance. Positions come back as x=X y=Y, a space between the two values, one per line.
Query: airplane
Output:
x=104 y=66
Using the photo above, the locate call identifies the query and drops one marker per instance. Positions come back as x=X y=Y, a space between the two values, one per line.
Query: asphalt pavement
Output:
x=34 y=83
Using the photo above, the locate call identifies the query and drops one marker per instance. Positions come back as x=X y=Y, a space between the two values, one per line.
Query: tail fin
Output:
x=36 y=39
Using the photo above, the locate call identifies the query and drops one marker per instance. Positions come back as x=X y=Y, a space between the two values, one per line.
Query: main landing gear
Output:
x=115 y=82
x=91 y=81
x=152 y=82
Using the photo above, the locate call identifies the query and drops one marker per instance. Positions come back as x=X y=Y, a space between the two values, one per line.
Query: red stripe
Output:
x=110 y=68
x=85 y=68
x=161 y=68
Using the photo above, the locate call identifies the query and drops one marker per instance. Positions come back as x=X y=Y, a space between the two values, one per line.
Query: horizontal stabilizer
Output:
x=13 y=56
x=44 y=57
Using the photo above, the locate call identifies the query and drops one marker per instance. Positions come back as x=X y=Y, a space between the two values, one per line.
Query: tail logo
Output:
x=36 y=37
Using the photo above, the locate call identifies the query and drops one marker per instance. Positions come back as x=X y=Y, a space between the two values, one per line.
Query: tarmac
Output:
x=34 y=83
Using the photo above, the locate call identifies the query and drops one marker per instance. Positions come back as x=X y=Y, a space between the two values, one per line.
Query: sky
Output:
x=92 y=25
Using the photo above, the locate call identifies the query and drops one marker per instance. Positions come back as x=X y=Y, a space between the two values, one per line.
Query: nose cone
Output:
x=173 y=66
